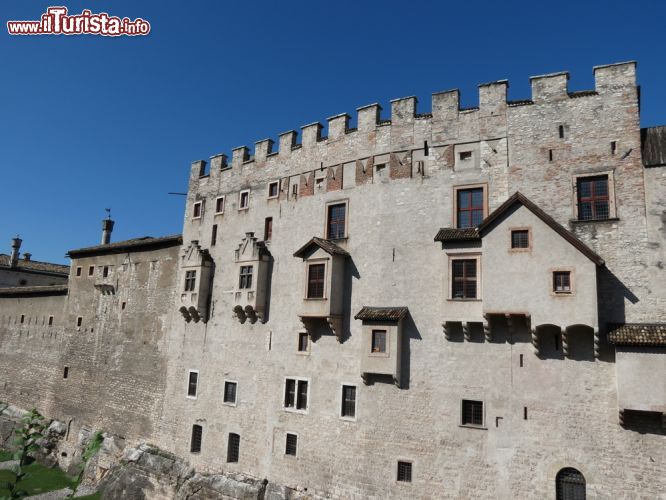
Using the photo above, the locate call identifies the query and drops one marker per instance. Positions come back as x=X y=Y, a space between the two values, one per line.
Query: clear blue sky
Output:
x=90 y=122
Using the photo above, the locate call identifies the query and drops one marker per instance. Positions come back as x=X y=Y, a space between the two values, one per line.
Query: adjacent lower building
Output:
x=464 y=303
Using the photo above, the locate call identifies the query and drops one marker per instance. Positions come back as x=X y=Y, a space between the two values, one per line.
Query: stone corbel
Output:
x=487 y=332
x=335 y=323
x=565 y=342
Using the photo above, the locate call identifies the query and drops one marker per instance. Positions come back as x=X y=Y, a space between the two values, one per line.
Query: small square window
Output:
x=91 y=270
x=562 y=281
x=472 y=412
x=405 y=472
x=465 y=155
x=78 y=271
x=520 y=238
x=230 y=392
x=233 y=448
x=197 y=210
x=195 y=443
x=244 y=200
x=303 y=341
x=192 y=382
x=378 y=341
x=273 y=189
x=219 y=205
x=291 y=444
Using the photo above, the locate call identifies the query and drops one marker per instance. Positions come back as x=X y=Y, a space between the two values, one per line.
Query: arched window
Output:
x=570 y=484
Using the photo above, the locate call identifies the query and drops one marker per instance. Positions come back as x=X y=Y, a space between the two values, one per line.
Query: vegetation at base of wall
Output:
x=6 y=455
x=29 y=439
x=93 y=446
x=36 y=479
x=94 y=496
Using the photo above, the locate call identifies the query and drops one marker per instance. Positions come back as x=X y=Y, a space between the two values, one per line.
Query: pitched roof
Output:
x=33 y=266
x=639 y=334
x=381 y=313
x=326 y=245
x=134 y=245
x=455 y=234
x=518 y=197
x=33 y=290
x=653 y=146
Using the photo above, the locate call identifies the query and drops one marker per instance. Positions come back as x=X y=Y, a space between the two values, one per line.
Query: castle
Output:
x=468 y=303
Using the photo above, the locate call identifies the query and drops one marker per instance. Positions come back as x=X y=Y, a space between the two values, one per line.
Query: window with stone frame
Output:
x=230 y=392
x=296 y=394
x=219 y=205
x=316 y=280
x=303 y=341
x=562 y=281
x=244 y=200
x=190 y=280
x=464 y=279
x=378 y=341
x=273 y=189
x=520 y=239
x=470 y=207
x=348 y=408
x=197 y=210
x=472 y=413
x=570 y=485
x=336 y=221
x=291 y=445
x=593 y=197
x=245 y=277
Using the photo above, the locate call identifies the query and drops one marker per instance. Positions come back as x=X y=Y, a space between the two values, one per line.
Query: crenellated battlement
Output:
x=442 y=125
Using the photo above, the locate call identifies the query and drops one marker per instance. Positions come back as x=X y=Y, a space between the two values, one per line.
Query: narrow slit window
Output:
x=290 y=393
x=192 y=382
x=213 y=235
x=560 y=131
x=195 y=442
x=613 y=147
x=78 y=271
x=50 y=320
x=348 y=401
x=79 y=321
x=268 y=229
x=105 y=272
x=22 y=318
x=550 y=155
x=91 y=270
x=65 y=372
x=302 y=342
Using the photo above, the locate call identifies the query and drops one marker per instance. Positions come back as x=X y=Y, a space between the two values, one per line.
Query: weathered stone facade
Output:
x=539 y=361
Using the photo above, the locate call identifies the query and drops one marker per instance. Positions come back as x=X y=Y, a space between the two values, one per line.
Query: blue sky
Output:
x=91 y=122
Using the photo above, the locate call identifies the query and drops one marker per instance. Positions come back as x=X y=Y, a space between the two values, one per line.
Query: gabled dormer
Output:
x=196 y=278
x=323 y=283
x=252 y=269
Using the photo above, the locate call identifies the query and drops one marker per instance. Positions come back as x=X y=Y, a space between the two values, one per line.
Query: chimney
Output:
x=107 y=228
x=27 y=256
x=16 y=245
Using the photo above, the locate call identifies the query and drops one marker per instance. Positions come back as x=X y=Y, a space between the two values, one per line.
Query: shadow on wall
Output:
x=351 y=273
x=612 y=294
x=409 y=332
x=269 y=288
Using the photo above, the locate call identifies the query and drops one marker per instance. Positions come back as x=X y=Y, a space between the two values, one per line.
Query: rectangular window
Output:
x=472 y=412
x=22 y=318
x=105 y=272
x=230 y=392
x=463 y=279
x=520 y=238
x=465 y=155
x=378 y=341
x=197 y=210
x=219 y=205
x=195 y=443
x=562 y=281
x=244 y=200
x=291 y=445
x=469 y=206
x=65 y=372
x=233 y=448
x=91 y=270
x=50 y=320
x=79 y=321
x=213 y=235
x=273 y=189
x=593 y=198
x=268 y=229
x=613 y=147
x=560 y=130
x=296 y=394
x=405 y=472
x=193 y=380
x=78 y=271
x=348 y=401
x=245 y=277
x=190 y=280
x=302 y=342
x=316 y=277
x=336 y=220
